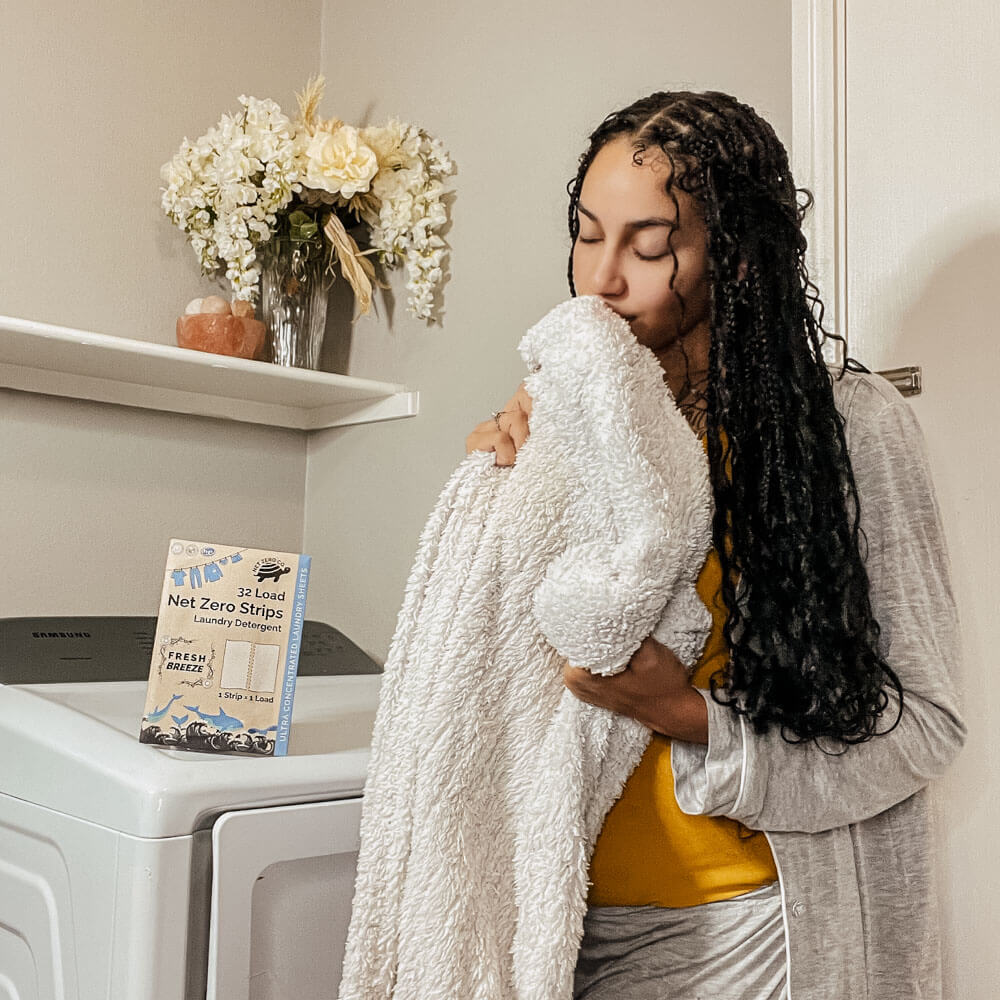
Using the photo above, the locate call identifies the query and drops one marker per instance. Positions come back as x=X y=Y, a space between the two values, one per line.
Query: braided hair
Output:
x=802 y=635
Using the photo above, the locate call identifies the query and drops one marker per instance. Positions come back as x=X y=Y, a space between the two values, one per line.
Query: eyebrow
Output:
x=635 y=225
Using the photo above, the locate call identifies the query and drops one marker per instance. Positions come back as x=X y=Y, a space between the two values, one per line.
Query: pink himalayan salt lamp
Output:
x=235 y=336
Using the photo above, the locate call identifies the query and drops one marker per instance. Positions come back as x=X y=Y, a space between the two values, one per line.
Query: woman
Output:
x=774 y=840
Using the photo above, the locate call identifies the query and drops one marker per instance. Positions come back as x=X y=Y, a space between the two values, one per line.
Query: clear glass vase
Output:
x=293 y=299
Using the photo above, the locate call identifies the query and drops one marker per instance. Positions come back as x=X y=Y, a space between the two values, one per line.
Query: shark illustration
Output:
x=159 y=713
x=220 y=720
x=180 y=719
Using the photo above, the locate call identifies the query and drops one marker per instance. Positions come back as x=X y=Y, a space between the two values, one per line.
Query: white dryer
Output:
x=132 y=872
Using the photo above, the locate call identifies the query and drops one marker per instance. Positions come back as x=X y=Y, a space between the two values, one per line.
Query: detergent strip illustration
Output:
x=226 y=652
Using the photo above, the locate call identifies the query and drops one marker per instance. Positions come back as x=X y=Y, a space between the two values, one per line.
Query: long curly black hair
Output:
x=802 y=636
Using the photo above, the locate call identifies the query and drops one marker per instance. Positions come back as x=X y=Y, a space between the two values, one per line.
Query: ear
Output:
x=741 y=271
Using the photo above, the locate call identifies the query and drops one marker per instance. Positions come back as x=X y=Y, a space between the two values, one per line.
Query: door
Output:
x=915 y=147
x=282 y=885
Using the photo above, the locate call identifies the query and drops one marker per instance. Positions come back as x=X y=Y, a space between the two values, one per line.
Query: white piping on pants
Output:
x=784 y=920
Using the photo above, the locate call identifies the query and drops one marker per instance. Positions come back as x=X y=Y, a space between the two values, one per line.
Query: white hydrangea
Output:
x=226 y=189
x=406 y=213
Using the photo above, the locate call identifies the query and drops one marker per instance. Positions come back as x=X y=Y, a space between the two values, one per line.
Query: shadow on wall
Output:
x=954 y=322
x=952 y=330
x=335 y=355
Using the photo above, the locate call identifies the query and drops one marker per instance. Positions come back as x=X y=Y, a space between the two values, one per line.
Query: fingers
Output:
x=520 y=401
x=486 y=437
x=514 y=417
x=506 y=433
x=515 y=423
x=505 y=449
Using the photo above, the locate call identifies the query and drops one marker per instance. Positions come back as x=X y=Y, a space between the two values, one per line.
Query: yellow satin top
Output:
x=649 y=852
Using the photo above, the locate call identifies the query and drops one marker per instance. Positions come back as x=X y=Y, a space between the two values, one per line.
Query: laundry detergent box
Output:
x=226 y=652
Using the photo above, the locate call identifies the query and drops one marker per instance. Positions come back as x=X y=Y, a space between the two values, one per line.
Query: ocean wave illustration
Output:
x=200 y=735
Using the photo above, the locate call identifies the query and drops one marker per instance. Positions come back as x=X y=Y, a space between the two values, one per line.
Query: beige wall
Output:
x=90 y=494
x=512 y=89
x=95 y=98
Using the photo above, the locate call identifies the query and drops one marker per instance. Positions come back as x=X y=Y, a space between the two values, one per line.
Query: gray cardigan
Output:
x=850 y=831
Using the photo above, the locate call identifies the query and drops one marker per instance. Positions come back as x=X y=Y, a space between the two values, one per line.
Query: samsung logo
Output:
x=60 y=635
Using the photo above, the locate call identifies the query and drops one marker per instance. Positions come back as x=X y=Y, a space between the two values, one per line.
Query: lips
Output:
x=628 y=319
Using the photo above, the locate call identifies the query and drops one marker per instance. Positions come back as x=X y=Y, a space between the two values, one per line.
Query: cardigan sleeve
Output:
x=769 y=784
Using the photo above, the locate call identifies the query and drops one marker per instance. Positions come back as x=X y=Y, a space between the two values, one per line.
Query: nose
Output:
x=597 y=271
x=609 y=281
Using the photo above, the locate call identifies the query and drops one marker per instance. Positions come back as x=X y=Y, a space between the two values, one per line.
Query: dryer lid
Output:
x=74 y=747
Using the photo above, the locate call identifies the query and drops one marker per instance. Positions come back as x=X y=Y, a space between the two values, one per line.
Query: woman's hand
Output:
x=507 y=432
x=654 y=689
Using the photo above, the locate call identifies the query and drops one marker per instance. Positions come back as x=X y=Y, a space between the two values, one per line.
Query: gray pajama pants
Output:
x=730 y=950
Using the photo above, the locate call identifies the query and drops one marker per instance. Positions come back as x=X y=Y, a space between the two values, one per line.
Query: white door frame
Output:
x=819 y=148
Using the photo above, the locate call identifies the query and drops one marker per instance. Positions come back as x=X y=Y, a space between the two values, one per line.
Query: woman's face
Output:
x=622 y=254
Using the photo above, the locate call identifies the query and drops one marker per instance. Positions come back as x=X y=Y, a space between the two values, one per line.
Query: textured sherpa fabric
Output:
x=489 y=782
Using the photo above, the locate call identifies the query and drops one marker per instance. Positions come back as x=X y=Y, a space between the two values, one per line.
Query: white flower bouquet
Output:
x=259 y=182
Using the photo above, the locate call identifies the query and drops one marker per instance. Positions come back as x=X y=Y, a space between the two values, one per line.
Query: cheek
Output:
x=693 y=275
x=652 y=291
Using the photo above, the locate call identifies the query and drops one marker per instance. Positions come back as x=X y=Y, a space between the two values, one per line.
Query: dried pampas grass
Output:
x=308 y=99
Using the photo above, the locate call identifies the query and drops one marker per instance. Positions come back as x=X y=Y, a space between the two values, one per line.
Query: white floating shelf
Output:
x=60 y=361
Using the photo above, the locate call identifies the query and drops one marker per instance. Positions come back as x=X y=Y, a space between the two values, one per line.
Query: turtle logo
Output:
x=270 y=569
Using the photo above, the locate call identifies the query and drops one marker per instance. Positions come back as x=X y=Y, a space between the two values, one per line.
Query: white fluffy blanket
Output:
x=489 y=782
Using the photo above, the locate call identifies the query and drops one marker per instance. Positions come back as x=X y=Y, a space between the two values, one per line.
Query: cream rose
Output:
x=339 y=162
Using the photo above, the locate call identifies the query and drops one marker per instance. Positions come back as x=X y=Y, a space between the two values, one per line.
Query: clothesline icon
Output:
x=213 y=571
